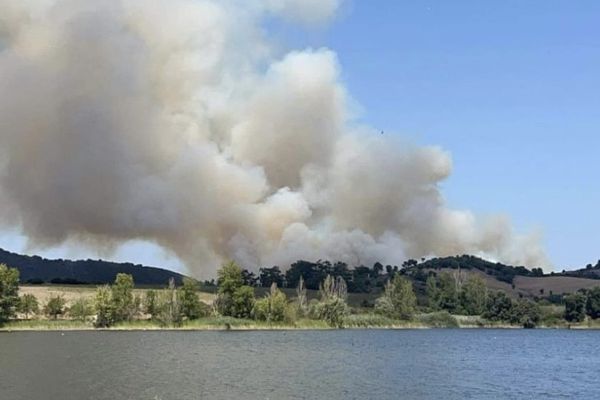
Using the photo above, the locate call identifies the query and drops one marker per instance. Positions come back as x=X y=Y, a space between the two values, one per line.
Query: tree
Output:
x=190 y=303
x=592 y=306
x=234 y=298
x=301 y=297
x=269 y=276
x=55 y=306
x=169 y=307
x=104 y=307
x=151 y=303
x=575 y=307
x=499 y=307
x=398 y=300
x=473 y=295
x=527 y=313
x=28 y=304
x=122 y=298
x=433 y=293
x=271 y=308
x=448 y=293
x=81 y=309
x=9 y=292
x=332 y=307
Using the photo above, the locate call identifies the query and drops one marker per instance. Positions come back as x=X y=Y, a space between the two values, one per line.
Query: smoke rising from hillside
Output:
x=178 y=123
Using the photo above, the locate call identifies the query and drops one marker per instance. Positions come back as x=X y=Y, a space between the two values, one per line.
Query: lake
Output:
x=346 y=364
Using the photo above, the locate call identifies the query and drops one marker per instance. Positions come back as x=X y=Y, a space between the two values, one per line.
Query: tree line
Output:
x=450 y=292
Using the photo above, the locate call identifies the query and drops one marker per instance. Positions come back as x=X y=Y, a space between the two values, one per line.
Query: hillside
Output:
x=34 y=269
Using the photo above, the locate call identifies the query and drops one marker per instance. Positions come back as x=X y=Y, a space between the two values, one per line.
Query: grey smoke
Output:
x=177 y=122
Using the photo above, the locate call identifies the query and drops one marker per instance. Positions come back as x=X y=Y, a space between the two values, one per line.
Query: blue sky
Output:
x=511 y=89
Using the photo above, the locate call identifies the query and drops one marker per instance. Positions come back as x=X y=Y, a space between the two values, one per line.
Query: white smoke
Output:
x=176 y=122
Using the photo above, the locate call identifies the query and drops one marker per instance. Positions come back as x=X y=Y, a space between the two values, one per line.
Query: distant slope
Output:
x=34 y=268
x=516 y=281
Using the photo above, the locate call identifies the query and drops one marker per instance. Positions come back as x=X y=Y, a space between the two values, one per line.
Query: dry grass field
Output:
x=73 y=292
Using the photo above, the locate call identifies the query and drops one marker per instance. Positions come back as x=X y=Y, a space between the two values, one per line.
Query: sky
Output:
x=511 y=89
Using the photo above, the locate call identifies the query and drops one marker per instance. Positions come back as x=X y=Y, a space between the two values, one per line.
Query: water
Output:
x=350 y=364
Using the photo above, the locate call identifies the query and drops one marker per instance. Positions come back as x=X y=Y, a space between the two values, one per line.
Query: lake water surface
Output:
x=347 y=364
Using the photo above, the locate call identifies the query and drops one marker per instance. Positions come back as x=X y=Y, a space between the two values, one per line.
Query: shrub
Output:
x=81 y=309
x=55 y=306
x=575 y=307
x=441 y=319
x=104 y=307
x=332 y=310
x=271 y=308
x=28 y=304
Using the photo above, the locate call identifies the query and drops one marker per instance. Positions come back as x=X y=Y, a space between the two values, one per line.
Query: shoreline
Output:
x=17 y=327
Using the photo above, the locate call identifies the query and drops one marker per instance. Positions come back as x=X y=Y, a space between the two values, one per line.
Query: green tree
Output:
x=81 y=309
x=271 y=308
x=169 y=307
x=55 y=306
x=398 y=300
x=234 y=298
x=104 y=307
x=448 y=293
x=527 y=313
x=499 y=307
x=191 y=306
x=151 y=303
x=28 y=304
x=473 y=295
x=9 y=292
x=575 y=307
x=592 y=306
x=433 y=293
x=332 y=307
x=122 y=298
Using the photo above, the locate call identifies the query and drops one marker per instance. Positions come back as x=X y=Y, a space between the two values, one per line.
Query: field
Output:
x=73 y=292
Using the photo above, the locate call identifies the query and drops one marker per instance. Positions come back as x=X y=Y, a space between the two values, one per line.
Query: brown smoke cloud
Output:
x=176 y=122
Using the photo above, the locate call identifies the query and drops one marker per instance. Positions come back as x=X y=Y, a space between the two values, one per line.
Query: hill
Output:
x=35 y=269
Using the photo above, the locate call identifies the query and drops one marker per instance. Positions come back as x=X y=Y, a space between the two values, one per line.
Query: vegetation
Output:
x=234 y=298
x=399 y=300
x=28 y=305
x=410 y=296
x=55 y=306
x=9 y=292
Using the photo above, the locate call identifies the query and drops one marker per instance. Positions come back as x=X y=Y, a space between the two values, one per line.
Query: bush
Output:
x=441 y=319
x=575 y=307
x=527 y=313
x=55 y=306
x=271 y=308
x=332 y=310
x=499 y=307
x=81 y=309
x=28 y=304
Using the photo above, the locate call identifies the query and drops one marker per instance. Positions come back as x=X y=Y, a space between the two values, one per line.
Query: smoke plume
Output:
x=179 y=123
